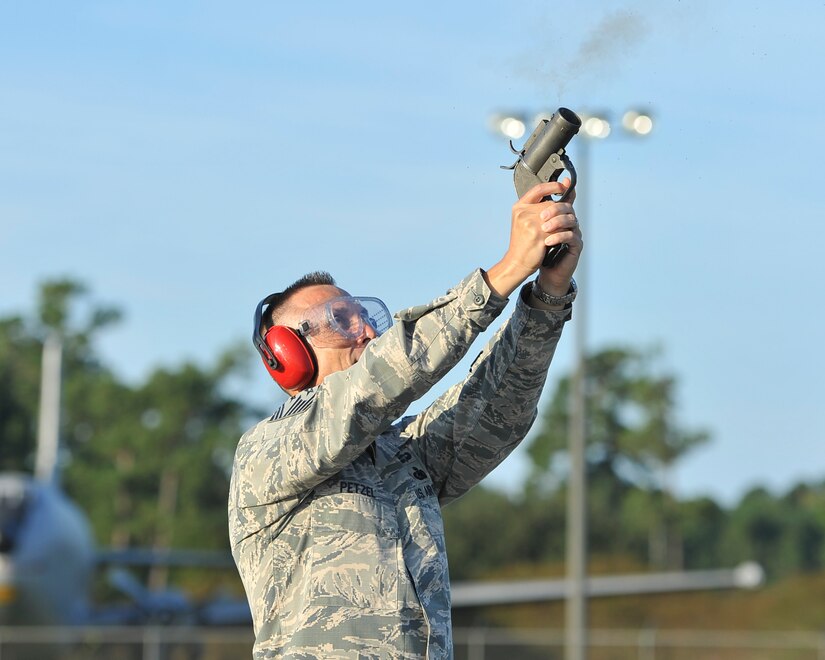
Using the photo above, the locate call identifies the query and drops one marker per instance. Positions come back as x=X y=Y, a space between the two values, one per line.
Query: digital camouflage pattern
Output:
x=334 y=510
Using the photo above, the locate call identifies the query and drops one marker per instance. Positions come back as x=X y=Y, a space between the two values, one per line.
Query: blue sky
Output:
x=184 y=159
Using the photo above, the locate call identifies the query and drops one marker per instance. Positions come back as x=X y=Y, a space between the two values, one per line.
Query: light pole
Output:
x=48 y=426
x=595 y=126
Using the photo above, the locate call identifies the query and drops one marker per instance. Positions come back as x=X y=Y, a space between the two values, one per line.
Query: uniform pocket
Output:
x=354 y=552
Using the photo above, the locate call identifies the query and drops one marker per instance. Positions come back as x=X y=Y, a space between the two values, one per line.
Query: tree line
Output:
x=150 y=462
x=634 y=518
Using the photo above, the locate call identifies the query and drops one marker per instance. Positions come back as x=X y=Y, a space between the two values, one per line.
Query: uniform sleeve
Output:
x=278 y=460
x=475 y=425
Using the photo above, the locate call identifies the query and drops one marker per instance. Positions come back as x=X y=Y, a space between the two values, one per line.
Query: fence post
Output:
x=821 y=648
x=647 y=645
x=476 y=644
x=151 y=643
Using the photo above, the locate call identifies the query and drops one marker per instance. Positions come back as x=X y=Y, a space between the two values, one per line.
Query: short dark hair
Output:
x=277 y=301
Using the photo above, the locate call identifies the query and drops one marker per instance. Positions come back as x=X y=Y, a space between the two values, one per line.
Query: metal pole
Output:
x=576 y=603
x=48 y=428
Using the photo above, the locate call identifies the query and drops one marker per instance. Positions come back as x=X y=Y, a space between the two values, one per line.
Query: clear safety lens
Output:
x=341 y=322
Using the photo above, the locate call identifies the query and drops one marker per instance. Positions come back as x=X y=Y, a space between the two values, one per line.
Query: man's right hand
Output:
x=536 y=225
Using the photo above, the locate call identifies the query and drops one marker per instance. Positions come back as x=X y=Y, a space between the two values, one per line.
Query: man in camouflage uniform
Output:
x=334 y=510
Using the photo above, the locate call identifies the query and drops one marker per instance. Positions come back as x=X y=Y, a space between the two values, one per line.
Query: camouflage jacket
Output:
x=334 y=509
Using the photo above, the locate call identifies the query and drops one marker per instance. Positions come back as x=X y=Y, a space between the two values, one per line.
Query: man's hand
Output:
x=535 y=226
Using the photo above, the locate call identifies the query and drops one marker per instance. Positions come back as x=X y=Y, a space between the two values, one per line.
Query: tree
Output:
x=633 y=441
x=149 y=463
x=703 y=523
x=487 y=530
x=784 y=534
x=21 y=339
x=806 y=506
x=156 y=473
x=755 y=531
x=20 y=375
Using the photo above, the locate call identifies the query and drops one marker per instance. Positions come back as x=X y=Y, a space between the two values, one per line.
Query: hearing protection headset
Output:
x=286 y=354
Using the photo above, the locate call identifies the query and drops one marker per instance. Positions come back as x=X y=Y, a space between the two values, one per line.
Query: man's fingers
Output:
x=542 y=190
x=553 y=209
x=572 y=196
x=565 y=221
x=567 y=236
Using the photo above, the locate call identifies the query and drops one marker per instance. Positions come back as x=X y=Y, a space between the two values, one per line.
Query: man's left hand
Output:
x=557 y=222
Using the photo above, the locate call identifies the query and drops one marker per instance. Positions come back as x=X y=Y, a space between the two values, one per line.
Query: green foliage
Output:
x=805 y=541
x=149 y=463
x=633 y=444
x=631 y=430
x=20 y=375
x=633 y=441
x=703 y=523
x=784 y=534
x=486 y=529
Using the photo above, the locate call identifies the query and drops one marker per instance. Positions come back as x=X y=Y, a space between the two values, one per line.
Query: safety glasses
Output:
x=341 y=322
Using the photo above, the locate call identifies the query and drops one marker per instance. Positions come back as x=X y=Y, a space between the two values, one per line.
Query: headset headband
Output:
x=257 y=337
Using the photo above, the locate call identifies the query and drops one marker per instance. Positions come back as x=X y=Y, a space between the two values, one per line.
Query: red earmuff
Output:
x=294 y=366
x=285 y=354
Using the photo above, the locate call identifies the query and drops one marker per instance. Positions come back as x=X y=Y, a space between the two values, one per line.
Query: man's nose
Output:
x=369 y=332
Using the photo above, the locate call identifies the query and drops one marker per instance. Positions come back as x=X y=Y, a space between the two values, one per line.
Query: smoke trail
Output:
x=614 y=36
x=599 y=54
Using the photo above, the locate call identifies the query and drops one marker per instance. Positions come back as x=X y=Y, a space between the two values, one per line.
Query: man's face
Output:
x=331 y=356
